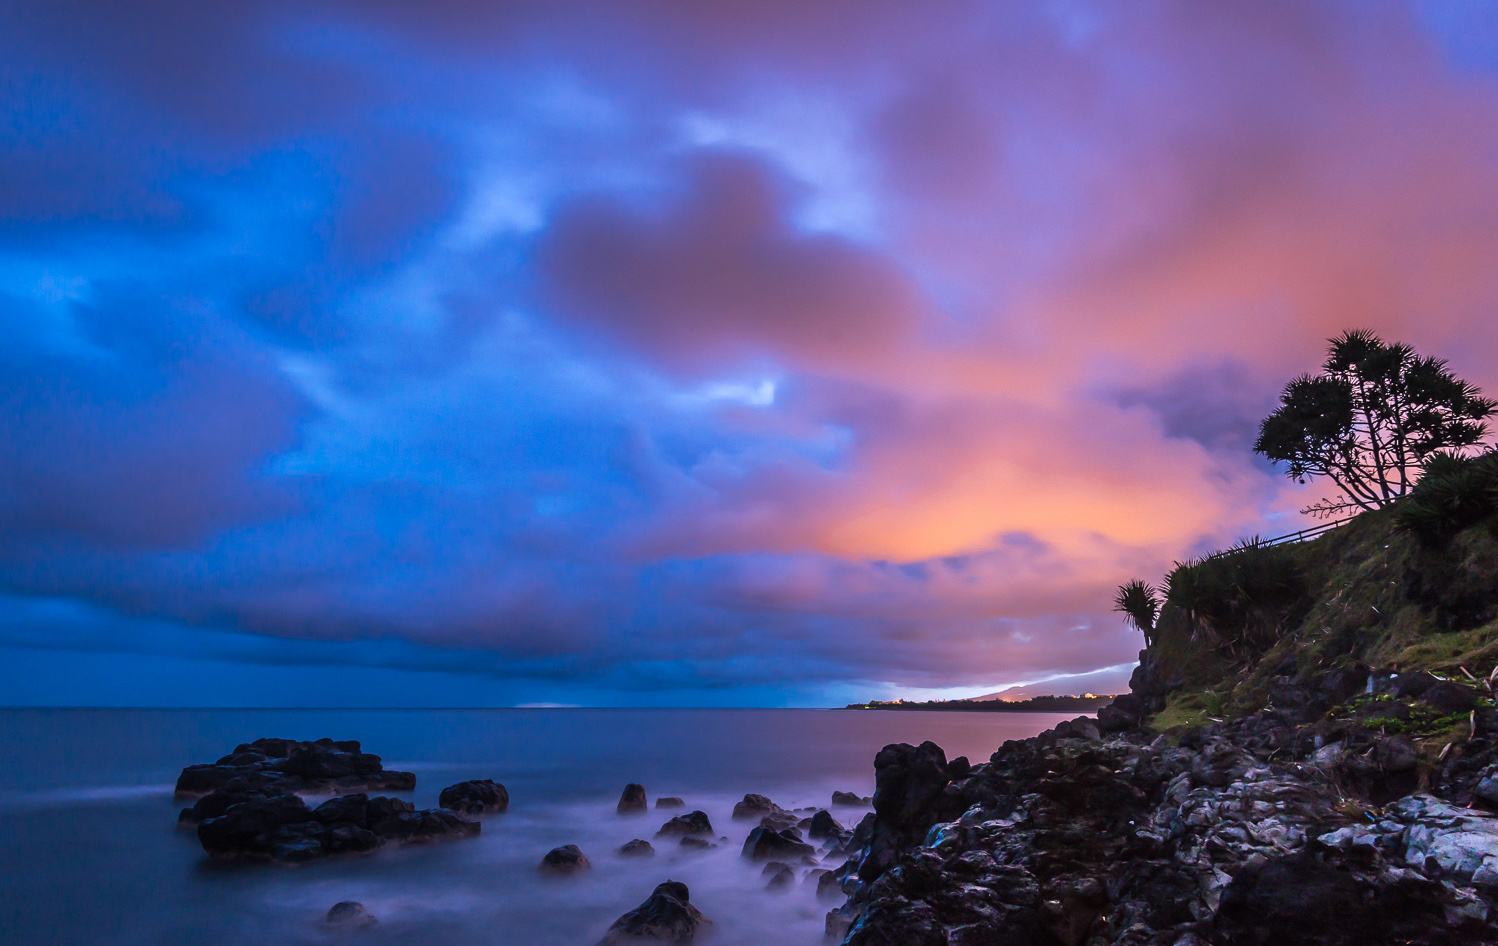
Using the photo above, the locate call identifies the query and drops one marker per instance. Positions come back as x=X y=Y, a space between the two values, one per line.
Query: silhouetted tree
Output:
x=1140 y=603
x=1370 y=420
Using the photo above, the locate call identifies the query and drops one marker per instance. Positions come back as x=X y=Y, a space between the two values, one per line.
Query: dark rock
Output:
x=632 y=801
x=253 y=828
x=1124 y=713
x=850 y=800
x=764 y=844
x=782 y=879
x=829 y=886
x=1299 y=898
x=695 y=842
x=637 y=848
x=1447 y=697
x=960 y=768
x=283 y=766
x=669 y=801
x=350 y=810
x=475 y=797
x=667 y=915
x=430 y=824
x=349 y=914
x=565 y=860
x=753 y=806
x=693 y=824
x=823 y=826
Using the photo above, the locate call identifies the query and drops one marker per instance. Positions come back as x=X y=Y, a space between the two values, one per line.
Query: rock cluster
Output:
x=284 y=829
x=1256 y=831
x=248 y=806
x=285 y=766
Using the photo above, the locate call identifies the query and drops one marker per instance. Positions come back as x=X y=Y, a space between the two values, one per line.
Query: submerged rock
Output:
x=475 y=797
x=851 y=800
x=637 y=848
x=667 y=915
x=349 y=914
x=632 y=801
x=669 y=801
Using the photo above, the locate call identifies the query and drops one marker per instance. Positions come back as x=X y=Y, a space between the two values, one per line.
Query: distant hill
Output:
x=1101 y=681
x=1035 y=704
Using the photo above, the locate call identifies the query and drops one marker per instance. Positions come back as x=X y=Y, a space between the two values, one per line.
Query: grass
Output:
x=1368 y=593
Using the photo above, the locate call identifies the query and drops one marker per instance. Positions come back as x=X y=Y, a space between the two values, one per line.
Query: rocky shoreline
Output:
x=1301 y=823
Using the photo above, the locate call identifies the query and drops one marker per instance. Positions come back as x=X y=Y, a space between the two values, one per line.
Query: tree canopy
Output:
x=1370 y=420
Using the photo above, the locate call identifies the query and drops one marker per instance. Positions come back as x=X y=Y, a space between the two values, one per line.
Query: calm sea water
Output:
x=89 y=853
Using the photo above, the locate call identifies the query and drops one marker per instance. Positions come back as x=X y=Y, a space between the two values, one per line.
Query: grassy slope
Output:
x=1354 y=608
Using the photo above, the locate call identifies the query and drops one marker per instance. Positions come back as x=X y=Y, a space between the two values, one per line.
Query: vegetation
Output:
x=1370 y=421
x=1454 y=493
x=1140 y=603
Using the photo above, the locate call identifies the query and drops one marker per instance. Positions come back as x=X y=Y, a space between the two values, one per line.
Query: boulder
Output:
x=1299 y=898
x=564 y=861
x=1124 y=713
x=782 y=879
x=632 y=801
x=700 y=844
x=753 y=806
x=823 y=826
x=349 y=914
x=849 y=799
x=669 y=801
x=637 y=848
x=765 y=844
x=1447 y=697
x=667 y=915
x=695 y=823
x=475 y=797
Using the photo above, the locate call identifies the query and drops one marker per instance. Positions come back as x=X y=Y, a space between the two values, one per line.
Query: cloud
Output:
x=748 y=348
x=722 y=275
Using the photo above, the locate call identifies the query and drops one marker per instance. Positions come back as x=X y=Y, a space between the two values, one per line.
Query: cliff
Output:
x=1308 y=754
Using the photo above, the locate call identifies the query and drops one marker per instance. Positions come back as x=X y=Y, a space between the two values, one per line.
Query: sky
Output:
x=725 y=353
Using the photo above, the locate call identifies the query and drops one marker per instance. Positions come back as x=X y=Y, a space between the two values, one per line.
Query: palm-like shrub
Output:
x=1453 y=494
x=1243 y=598
x=1140 y=603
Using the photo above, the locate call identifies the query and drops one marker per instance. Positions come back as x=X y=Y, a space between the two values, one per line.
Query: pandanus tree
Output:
x=1140 y=604
x=1370 y=420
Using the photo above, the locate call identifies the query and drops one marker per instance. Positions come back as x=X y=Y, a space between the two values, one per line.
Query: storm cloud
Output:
x=724 y=353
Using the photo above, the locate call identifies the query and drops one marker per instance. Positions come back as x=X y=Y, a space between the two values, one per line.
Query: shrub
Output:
x=1140 y=602
x=1454 y=494
x=1244 y=597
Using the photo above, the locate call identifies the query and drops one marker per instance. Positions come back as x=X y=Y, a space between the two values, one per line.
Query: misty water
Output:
x=89 y=852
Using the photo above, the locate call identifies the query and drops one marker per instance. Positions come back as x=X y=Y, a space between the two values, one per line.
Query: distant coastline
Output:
x=1036 y=704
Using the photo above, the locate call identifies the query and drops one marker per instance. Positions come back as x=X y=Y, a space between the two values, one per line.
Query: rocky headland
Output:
x=1308 y=755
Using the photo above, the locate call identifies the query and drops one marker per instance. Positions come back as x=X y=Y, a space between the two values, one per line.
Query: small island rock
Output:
x=637 y=848
x=633 y=802
x=669 y=801
x=349 y=914
x=693 y=824
x=565 y=860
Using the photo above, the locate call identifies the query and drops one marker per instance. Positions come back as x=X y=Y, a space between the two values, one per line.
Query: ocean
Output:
x=89 y=851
